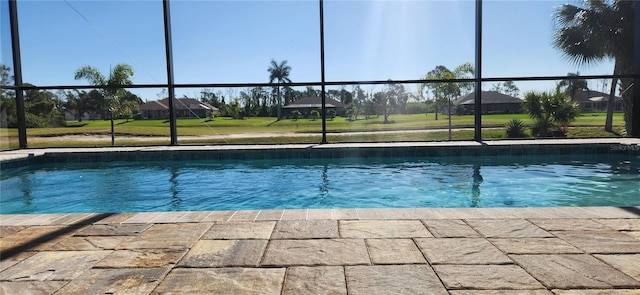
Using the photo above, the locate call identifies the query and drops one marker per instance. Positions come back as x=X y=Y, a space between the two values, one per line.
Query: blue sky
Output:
x=233 y=41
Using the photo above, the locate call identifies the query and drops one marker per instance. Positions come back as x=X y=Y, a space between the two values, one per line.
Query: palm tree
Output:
x=596 y=31
x=120 y=75
x=551 y=112
x=279 y=72
x=571 y=86
x=116 y=96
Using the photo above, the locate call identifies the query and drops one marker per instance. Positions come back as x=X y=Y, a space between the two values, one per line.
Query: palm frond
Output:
x=91 y=74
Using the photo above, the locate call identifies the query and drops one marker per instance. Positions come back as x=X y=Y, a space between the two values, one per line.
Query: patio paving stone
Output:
x=116 y=281
x=6 y=262
x=126 y=229
x=306 y=229
x=603 y=242
x=583 y=251
x=597 y=292
x=573 y=271
x=500 y=292
x=486 y=277
x=53 y=266
x=394 y=251
x=392 y=279
x=89 y=243
x=534 y=246
x=221 y=253
x=240 y=230
x=372 y=229
x=9 y=230
x=635 y=234
x=36 y=237
x=628 y=264
x=622 y=224
x=315 y=252
x=237 y=281
x=572 y=224
x=461 y=251
x=320 y=280
x=142 y=258
x=31 y=288
x=507 y=228
x=171 y=235
x=450 y=228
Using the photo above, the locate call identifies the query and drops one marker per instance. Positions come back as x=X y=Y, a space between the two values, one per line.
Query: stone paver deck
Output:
x=578 y=250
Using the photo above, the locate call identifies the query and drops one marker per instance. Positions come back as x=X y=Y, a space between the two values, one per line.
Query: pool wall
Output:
x=594 y=150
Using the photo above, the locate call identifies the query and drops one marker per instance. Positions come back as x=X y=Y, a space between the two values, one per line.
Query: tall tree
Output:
x=80 y=102
x=443 y=92
x=464 y=71
x=117 y=98
x=279 y=72
x=507 y=87
x=598 y=30
x=571 y=86
x=8 y=109
x=42 y=109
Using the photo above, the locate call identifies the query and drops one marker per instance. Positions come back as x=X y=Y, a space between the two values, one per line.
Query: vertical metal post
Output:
x=170 y=82
x=113 y=129
x=477 y=109
x=17 y=74
x=449 y=111
x=635 y=112
x=322 y=86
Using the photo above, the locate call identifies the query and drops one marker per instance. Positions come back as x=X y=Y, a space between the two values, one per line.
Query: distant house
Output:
x=306 y=105
x=493 y=102
x=595 y=101
x=185 y=108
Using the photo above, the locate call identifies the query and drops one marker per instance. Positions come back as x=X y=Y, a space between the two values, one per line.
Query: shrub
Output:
x=314 y=114
x=332 y=113
x=551 y=112
x=515 y=128
x=296 y=114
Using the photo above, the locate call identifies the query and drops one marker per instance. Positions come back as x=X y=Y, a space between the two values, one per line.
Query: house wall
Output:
x=180 y=113
x=601 y=106
x=492 y=108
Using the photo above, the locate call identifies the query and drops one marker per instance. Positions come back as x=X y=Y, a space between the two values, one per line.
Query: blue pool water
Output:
x=320 y=183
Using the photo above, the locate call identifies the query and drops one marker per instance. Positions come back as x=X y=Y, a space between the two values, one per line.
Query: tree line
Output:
x=44 y=108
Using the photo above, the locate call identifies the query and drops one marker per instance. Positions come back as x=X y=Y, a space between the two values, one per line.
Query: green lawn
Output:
x=586 y=125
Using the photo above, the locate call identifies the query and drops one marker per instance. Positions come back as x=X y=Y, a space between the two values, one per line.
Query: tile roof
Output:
x=181 y=103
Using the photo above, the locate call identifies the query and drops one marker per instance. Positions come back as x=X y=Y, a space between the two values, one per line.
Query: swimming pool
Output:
x=116 y=183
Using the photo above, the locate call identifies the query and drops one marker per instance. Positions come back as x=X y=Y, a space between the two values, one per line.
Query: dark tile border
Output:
x=590 y=151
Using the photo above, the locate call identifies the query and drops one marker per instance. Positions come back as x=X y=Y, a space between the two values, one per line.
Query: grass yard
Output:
x=219 y=130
